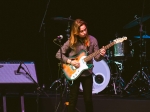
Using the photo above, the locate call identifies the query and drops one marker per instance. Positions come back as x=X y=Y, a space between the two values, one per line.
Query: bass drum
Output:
x=101 y=76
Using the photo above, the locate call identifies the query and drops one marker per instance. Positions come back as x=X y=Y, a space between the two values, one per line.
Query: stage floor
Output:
x=35 y=102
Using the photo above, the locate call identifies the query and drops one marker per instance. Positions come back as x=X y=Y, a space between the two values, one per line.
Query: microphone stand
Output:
x=38 y=87
x=61 y=83
x=44 y=16
x=44 y=37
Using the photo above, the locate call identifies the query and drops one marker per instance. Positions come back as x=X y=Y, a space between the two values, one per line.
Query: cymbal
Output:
x=62 y=19
x=144 y=36
x=136 y=21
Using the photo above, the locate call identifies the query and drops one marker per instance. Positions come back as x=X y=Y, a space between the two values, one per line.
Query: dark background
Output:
x=23 y=38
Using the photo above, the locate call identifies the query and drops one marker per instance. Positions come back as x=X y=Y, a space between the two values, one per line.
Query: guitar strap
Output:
x=87 y=47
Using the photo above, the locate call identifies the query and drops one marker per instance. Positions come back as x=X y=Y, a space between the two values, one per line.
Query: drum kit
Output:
x=122 y=68
x=129 y=65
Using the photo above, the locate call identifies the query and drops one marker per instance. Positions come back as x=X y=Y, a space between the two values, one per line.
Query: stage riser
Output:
x=101 y=104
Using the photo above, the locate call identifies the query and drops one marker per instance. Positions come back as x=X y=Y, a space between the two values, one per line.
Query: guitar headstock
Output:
x=119 y=40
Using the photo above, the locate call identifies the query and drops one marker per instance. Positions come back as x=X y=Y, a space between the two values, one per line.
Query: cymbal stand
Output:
x=140 y=74
x=144 y=53
x=68 y=28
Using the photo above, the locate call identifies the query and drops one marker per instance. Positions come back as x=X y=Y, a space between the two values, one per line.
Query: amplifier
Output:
x=17 y=77
x=18 y=73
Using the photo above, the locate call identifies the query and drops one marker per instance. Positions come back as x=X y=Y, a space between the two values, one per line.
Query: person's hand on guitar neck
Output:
x=75 y=63
x=103 y=51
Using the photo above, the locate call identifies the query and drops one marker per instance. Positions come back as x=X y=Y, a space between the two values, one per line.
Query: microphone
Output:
x=58 y=37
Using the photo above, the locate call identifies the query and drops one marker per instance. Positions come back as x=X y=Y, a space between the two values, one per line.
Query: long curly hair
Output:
x=75 y=29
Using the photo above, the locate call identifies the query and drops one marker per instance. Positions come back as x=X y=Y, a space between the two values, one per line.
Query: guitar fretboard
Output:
x=98 y=52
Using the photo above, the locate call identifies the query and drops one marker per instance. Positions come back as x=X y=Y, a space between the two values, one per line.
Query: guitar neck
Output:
x=89 y=57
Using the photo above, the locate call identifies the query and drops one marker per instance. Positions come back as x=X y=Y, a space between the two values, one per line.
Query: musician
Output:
x=80 y=40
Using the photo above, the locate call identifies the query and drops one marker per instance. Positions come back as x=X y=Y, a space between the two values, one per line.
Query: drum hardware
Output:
x=116 y=85
x=66 y=20
x=68 y=28
x=143 y=47
x=63 y=19
x=109 y=54
x=140 y=74
x=143 y=36
x=140 y=81
x=136 y=21
x=119 y=64
x=116 y=80
x=144 y=82
x=132 y=52
x=120 y=81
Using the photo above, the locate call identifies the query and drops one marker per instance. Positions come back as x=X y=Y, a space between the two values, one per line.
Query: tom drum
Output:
x=123 y=49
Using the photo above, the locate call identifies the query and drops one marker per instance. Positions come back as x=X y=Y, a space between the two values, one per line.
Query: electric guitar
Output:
x=73 y=73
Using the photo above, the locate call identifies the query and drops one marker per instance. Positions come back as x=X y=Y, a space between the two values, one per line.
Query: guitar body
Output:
x=73 y=73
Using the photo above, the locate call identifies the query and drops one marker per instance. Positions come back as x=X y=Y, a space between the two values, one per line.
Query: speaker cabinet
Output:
x=17 y=74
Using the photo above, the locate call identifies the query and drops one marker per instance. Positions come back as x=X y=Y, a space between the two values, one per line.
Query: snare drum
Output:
x=101 y=76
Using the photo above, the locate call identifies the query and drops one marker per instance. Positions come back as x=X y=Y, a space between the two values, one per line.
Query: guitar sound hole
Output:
x=99 y=79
